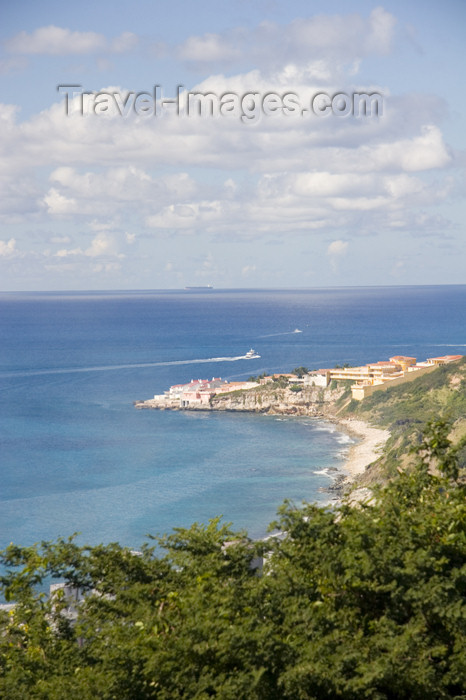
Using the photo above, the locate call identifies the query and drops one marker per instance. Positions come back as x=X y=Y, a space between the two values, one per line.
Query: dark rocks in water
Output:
x=338 y=486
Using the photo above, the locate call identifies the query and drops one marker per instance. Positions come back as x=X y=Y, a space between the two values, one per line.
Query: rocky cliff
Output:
x=272 y=399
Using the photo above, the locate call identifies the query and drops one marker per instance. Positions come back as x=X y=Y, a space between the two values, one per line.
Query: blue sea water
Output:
x=77 y=456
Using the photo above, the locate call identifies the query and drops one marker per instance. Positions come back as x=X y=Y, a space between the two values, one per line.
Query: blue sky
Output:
x=105 y=201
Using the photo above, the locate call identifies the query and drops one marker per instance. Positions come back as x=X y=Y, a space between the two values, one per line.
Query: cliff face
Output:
x=312 y=401
x=269 y=398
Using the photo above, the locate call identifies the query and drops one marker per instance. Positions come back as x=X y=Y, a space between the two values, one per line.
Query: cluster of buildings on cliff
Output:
x=199 y=392
x=367 y=379
x=379 y=375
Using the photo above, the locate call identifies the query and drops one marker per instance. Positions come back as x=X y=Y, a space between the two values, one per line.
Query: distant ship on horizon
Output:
x=207 y=286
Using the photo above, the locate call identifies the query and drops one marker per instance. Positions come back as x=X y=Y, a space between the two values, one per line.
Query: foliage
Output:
x=296 y=388
x=280 y=382
x=300 y=371
x=346 y=384
x=353 y=603
x=253 y=378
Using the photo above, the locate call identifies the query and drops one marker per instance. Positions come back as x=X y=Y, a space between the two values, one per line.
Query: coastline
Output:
x=371 y=442
x=367 y=450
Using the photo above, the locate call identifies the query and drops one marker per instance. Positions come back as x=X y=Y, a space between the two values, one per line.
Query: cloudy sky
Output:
x=137 y=194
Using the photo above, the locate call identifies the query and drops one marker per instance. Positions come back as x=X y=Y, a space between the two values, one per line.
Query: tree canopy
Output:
x=351 y=602
x=300 y=371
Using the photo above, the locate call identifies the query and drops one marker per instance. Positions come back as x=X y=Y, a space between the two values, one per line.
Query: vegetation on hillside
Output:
x=406 y=409
x=352 y=603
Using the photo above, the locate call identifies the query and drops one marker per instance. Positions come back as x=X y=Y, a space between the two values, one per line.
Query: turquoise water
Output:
x=77 y=456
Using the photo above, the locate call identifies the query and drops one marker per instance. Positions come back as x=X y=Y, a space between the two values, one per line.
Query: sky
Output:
x=279 y=179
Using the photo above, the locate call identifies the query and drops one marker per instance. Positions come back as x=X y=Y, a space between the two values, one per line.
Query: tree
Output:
x=300 y=371
x=374 y=599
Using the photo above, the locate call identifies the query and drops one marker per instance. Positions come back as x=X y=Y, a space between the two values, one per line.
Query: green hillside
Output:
x=405 y=410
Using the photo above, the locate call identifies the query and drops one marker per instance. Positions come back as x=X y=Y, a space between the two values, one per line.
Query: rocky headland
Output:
x=269 y=398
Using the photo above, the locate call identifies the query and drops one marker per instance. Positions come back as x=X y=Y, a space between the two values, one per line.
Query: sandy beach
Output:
x=367 y=450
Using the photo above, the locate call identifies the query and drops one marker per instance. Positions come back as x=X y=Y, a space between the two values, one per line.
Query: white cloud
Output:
x=96 y=225
x=342 y=39
x=275 y=144
x=189 y=216
x=57 y=204
x=106 y=267
x=7 y=249
x=325 y=184
x=398 y=268
x=335 y=251
x=96 y=193
x=65 y=253
x=297 y=202
x=125 y=42
x=208 y=48
x=220 y=177
x=424 y=152
x=230 y=187
x=337 y=248
x=380 y=36
x=102 y=245
x=59 y=41
x=208 y=268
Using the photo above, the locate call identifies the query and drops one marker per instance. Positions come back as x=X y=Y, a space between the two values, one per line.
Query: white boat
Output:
x=251 y=353
x=296 y=330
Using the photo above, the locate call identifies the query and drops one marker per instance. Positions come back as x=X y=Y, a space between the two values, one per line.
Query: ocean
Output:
x=76 y=456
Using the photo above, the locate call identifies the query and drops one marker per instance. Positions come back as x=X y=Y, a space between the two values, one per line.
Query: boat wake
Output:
x=110 y=368
x=274 y=335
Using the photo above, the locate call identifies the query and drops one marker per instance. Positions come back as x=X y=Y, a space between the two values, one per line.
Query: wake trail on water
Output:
x=274 y=335
x=109 y=368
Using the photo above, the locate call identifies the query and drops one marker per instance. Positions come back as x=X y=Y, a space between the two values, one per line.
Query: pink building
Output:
x=197 y=392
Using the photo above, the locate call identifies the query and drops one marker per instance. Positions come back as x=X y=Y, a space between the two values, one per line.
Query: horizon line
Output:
x=223 y=289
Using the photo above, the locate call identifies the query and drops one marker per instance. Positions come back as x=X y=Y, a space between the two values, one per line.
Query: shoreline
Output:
x=371 y=442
